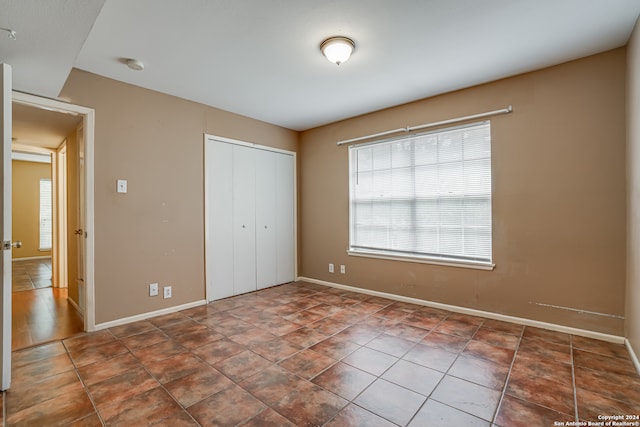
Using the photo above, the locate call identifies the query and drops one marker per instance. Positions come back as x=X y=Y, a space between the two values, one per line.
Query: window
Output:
x=45 y=214
x=425 y=197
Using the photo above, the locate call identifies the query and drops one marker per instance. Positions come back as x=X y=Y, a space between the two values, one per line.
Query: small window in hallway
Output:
x=45 y=215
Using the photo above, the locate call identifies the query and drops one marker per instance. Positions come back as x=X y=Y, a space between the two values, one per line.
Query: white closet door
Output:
x=244 y=211
x=250 y=218
x=285 y=218
x=266 y=267
x=219 y=235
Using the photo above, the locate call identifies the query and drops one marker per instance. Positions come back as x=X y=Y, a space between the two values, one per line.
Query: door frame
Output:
x=207 y=226
x=60 y=209
x=88 y=125
x=5 y=202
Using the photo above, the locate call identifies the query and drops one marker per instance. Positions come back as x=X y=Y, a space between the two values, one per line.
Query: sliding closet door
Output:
x=244 y=213
x=219 y=219
x=285 y=218
x=266 y=203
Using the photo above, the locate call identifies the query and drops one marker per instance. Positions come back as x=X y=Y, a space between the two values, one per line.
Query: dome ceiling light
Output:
x=337 y=49
x=135 y=64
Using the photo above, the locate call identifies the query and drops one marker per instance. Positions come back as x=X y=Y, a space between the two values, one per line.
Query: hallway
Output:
x=40 y=312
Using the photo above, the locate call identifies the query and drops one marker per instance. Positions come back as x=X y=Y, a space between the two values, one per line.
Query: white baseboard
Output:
x=144 y=316
x=473 y=312
x=30 y=258
x=634 y=356
x=76 y=306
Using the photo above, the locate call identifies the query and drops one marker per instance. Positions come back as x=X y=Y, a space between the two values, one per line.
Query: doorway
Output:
x=41 y=311
x=66 y=307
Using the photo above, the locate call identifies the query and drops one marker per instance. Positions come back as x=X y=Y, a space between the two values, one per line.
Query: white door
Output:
x=249 y=218
x=5 y=218
x=285 y=218
x=244 y=213
x=219 y=220
x=81 y=232
x=266 y=258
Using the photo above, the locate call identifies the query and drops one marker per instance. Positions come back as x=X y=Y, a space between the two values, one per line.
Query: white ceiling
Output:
x=50 y=34
x=261 y=58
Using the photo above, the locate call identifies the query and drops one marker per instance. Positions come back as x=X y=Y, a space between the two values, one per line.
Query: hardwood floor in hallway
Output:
x=40 y=315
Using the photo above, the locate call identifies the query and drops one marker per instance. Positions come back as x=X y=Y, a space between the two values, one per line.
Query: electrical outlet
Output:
x=153 y=289
x=330 y=268
x=342 y=269
x=167 y=292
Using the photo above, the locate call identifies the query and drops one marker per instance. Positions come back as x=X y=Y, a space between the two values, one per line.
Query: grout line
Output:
x=573 y=378
x=84 y=386
x=142 y=365
x=377 y=377
x=153 y=376
x=506 y=381
x=444 y=373
x=234 y=382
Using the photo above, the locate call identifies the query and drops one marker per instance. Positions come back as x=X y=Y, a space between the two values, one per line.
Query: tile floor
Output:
x=30 y=274
x=308 y=355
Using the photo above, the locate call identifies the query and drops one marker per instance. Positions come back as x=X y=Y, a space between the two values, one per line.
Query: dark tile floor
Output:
x=308 y=355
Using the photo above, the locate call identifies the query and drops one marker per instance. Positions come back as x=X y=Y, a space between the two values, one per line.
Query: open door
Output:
x=5 y=229
x=81 y=219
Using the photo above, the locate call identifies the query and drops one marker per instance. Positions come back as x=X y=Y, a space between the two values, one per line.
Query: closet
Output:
x=249 y=217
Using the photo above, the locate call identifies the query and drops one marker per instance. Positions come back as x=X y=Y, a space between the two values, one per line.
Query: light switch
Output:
x=122 y=186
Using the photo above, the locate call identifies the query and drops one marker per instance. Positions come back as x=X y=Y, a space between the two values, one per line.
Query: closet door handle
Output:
x=243 y=226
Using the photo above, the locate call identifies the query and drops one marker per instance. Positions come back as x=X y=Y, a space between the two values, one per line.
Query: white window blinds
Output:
x=426 y=196
x=45 y=214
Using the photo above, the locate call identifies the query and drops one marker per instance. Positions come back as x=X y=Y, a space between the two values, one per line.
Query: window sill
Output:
x=477 y=265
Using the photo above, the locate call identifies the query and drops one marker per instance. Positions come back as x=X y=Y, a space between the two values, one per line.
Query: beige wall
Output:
x=25 y=227
x=559 y=195
x=632 y=325
x=155 y=232
x=558 y=198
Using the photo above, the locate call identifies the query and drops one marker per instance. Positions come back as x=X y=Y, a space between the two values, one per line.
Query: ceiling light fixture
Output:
x=12 y=34
x=337 y=49
x=135 y=64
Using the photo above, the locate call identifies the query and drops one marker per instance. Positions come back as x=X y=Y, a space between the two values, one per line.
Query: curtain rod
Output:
x=429 y=125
